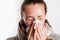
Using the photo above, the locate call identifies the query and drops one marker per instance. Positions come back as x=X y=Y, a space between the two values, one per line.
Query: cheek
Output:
x=42 y=21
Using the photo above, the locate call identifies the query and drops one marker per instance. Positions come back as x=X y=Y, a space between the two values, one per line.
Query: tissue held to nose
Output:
x=36 y=22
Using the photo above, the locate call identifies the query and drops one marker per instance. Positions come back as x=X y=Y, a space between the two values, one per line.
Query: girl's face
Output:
x=35 y=12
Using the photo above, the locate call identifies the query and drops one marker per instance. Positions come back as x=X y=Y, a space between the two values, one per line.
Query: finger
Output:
x=41 y=34
x=38 y=29
x=34 y=25
x=37 y=36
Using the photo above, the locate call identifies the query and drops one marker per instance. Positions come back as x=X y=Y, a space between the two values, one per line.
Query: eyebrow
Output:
x=29 y=16
x=33 y=17
x=40 y=16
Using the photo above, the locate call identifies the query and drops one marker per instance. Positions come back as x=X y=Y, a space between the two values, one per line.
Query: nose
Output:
x=35 y=18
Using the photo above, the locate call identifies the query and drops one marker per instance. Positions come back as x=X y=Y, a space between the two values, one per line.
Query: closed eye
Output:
x=29 y=17
x=40 y=17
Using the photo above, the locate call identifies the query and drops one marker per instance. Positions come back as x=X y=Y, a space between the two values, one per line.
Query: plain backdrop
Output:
x=10 y=16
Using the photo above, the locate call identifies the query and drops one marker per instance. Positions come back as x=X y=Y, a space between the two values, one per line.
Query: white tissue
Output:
x=37 y=21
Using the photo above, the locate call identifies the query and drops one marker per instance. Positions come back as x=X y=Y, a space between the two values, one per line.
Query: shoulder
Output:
x=55 y=36
x=12 y=38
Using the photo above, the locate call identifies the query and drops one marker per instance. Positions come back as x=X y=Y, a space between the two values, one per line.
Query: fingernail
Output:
x=34 y=27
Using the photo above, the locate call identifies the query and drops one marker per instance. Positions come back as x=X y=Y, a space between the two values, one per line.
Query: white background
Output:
x=10 y=16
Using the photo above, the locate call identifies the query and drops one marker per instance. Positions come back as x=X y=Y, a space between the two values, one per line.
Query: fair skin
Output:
x=36 y=12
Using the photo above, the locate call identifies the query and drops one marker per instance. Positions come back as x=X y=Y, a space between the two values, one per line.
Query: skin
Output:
x=35 y=12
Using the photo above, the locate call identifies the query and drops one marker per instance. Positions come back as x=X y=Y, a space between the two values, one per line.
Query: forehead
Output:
x=34 y=9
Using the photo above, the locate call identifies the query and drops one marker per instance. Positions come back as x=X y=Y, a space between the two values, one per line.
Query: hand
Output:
x=39 y=33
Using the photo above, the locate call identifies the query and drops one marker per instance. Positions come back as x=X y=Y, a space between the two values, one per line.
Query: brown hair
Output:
x=27 y=2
